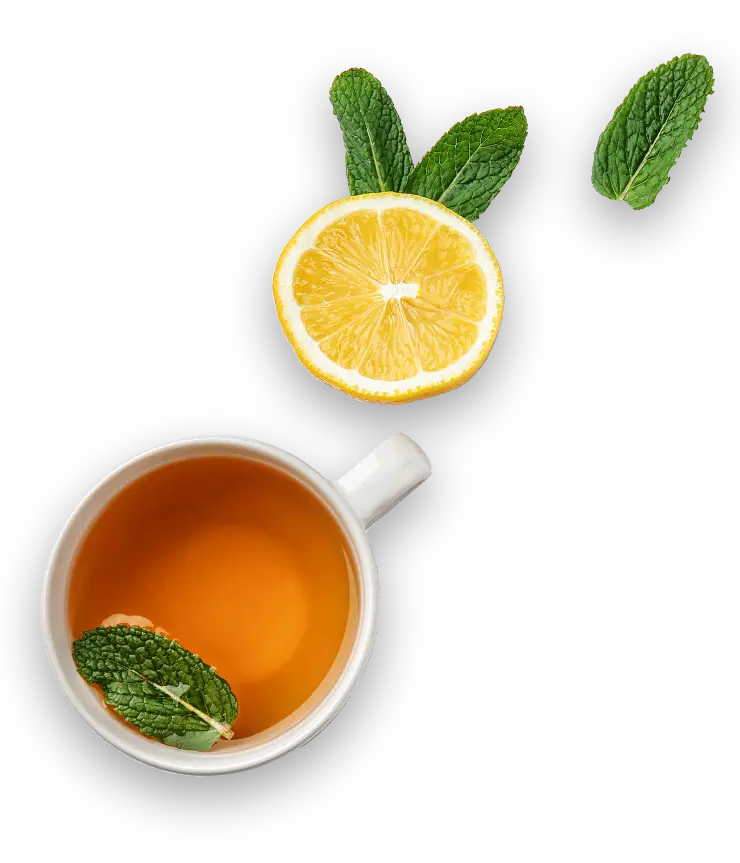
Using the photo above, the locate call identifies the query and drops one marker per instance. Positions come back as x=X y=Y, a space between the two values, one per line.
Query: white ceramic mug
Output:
x=357 y=500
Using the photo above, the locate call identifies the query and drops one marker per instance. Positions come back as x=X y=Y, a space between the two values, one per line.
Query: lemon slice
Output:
x=389 y=297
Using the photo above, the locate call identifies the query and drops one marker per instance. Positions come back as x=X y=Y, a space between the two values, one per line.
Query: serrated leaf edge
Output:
x=453 y=184
x=224 y=729
x=457 y=123
x=376 y=165
x=689 y=137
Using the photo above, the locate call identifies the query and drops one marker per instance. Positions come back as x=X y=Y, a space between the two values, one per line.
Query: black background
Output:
x=538 y=684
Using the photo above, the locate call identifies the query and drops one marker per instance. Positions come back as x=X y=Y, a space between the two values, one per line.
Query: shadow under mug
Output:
x=356 y=501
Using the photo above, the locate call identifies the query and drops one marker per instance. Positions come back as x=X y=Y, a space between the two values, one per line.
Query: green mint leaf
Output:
x=467 y=167
x=198 y=740
x=649 y=129
x=156 y=685
x=378 y=157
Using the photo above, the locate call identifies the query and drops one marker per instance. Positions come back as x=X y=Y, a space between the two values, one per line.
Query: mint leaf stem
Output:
x=223 y=730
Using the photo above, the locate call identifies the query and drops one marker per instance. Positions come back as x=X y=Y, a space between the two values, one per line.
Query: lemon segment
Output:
x=406 y=233
x=389 y=297
x=355 y=241
x=320 y=279
x=445 y=249
x=322 y=321
x=461 y=291
x=441 y=339
x=339 y=338
x=388 y=355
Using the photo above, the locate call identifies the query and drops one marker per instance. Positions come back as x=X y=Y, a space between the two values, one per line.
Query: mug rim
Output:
x=152 y=752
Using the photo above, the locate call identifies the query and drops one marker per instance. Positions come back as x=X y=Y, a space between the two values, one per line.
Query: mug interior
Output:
x=296 y=728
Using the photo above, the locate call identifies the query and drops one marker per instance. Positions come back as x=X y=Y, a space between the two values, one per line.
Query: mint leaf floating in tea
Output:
x=378 y=157
x=468 y=166
x=156 y=685
x=649 y=129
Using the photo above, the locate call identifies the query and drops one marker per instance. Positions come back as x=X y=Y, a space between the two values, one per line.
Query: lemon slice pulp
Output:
x=389 y=297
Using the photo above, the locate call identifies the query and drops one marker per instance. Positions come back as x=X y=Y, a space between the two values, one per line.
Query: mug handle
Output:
x=385 y=477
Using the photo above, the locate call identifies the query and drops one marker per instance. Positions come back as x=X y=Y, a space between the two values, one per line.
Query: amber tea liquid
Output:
x=238 y=562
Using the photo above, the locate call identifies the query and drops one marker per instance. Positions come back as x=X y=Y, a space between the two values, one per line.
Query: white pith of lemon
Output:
x=389 y=297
